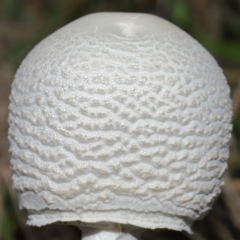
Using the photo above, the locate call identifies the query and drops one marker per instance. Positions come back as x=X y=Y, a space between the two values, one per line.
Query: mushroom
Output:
x=119 y=120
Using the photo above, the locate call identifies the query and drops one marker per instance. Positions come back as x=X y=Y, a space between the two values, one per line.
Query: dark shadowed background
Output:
x=214 y=23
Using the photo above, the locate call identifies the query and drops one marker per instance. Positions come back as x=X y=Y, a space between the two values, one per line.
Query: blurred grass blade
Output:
x=1 y=213
x=7 y=220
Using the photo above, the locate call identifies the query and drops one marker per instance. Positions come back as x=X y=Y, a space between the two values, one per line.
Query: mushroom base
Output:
x=106 y=234
x=103 y=219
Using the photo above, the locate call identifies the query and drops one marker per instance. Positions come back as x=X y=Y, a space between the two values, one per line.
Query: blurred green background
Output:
x=214 y=23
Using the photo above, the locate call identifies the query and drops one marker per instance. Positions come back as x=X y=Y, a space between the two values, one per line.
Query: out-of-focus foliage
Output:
x=214 y=23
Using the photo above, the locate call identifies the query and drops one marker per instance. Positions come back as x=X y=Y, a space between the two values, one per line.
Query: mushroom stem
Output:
x=105 y=234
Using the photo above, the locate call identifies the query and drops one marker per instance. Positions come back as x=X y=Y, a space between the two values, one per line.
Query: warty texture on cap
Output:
x=119 y=117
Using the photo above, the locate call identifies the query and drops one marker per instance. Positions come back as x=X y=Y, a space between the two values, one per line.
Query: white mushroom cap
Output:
x=119 y=117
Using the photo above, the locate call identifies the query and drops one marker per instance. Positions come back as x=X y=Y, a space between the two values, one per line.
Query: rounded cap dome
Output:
x=119 y=117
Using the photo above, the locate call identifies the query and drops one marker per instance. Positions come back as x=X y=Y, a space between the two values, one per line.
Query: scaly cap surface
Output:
x=119 y=117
